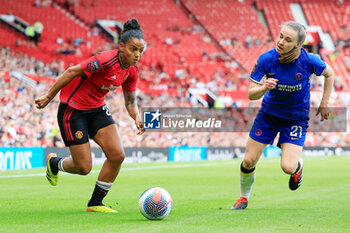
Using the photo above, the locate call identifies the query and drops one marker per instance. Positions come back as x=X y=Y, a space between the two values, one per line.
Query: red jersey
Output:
x=103 y=73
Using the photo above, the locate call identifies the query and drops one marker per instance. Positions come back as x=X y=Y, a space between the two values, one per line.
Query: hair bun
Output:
x=132 y=24
x=131 y=29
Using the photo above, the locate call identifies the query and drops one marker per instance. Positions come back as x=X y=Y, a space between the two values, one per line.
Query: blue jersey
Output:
x=290 y=99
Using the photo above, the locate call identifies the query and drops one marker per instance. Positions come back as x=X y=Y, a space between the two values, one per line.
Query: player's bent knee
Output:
x=288 y=169
x=116 y=158
x=248 y=163
x=85 y=170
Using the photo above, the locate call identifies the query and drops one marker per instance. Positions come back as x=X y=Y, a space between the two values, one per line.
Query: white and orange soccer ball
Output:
x=155 y=203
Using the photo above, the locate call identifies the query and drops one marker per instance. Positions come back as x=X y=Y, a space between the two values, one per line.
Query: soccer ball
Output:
x=155 y=203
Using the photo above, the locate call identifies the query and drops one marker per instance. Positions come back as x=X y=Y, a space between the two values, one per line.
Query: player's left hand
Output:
x=323 y=110
x=139 y=125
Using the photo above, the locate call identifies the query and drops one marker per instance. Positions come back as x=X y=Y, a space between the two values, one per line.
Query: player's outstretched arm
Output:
x=131 y=106
x=62 y=81
x=323 y=110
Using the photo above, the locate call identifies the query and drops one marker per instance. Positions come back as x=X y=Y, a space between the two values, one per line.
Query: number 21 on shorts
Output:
x=297 y=131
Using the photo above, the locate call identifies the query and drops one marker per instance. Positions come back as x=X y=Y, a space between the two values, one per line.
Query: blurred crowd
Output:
x=21 y=124
x=20 y=62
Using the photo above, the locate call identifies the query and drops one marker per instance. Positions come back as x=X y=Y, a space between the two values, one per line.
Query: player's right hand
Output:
x=42 y=101
x=139 y=125
x=270 y=83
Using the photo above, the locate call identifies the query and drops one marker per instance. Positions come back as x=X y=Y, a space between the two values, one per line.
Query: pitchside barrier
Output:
x=14 y=158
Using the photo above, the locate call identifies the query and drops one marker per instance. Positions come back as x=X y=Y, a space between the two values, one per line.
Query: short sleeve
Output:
x=131 y=82
x=258 y=73
x=92 y=65
x=317 y=65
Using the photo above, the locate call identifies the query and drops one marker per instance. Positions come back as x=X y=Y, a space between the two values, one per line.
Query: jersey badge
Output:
x=93 y=66
x=298 y=76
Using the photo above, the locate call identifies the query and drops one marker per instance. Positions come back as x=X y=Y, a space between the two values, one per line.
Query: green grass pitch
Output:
x=203 y=193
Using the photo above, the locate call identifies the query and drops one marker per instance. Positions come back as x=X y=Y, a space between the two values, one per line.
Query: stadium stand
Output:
x=169 y=32
x=331 y=16
x=233 y=37
x=23 y=125
x=57 y=23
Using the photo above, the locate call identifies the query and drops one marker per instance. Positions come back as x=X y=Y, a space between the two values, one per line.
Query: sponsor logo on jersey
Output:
x=298 y=76
x=289 y=88
x=79 y=134
x=93 y=66
x=110 y=88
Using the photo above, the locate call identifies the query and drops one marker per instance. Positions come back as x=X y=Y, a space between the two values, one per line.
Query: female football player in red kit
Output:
x=82 y=113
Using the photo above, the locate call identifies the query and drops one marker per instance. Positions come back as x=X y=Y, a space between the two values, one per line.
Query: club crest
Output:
x=298 y=76
x=258 y=132
x=79 y=134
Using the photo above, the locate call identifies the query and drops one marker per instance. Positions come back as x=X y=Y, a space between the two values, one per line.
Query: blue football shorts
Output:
x=266 y=127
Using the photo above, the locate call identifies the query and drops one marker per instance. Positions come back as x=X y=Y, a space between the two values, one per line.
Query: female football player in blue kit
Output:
x=281 y=75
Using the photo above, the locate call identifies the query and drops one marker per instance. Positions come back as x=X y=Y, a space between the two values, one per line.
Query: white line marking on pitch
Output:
x=132 y=169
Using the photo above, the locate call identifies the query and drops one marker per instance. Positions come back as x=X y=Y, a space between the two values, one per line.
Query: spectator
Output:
x=38 y=30
x=347 y=63
x=46 y=3
x=59 y=40
x=234 y=41
x=37 y=3
x=248 y=41
x=169 y=41
x=30 y=32
x=257 y=41
x=95 y=31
